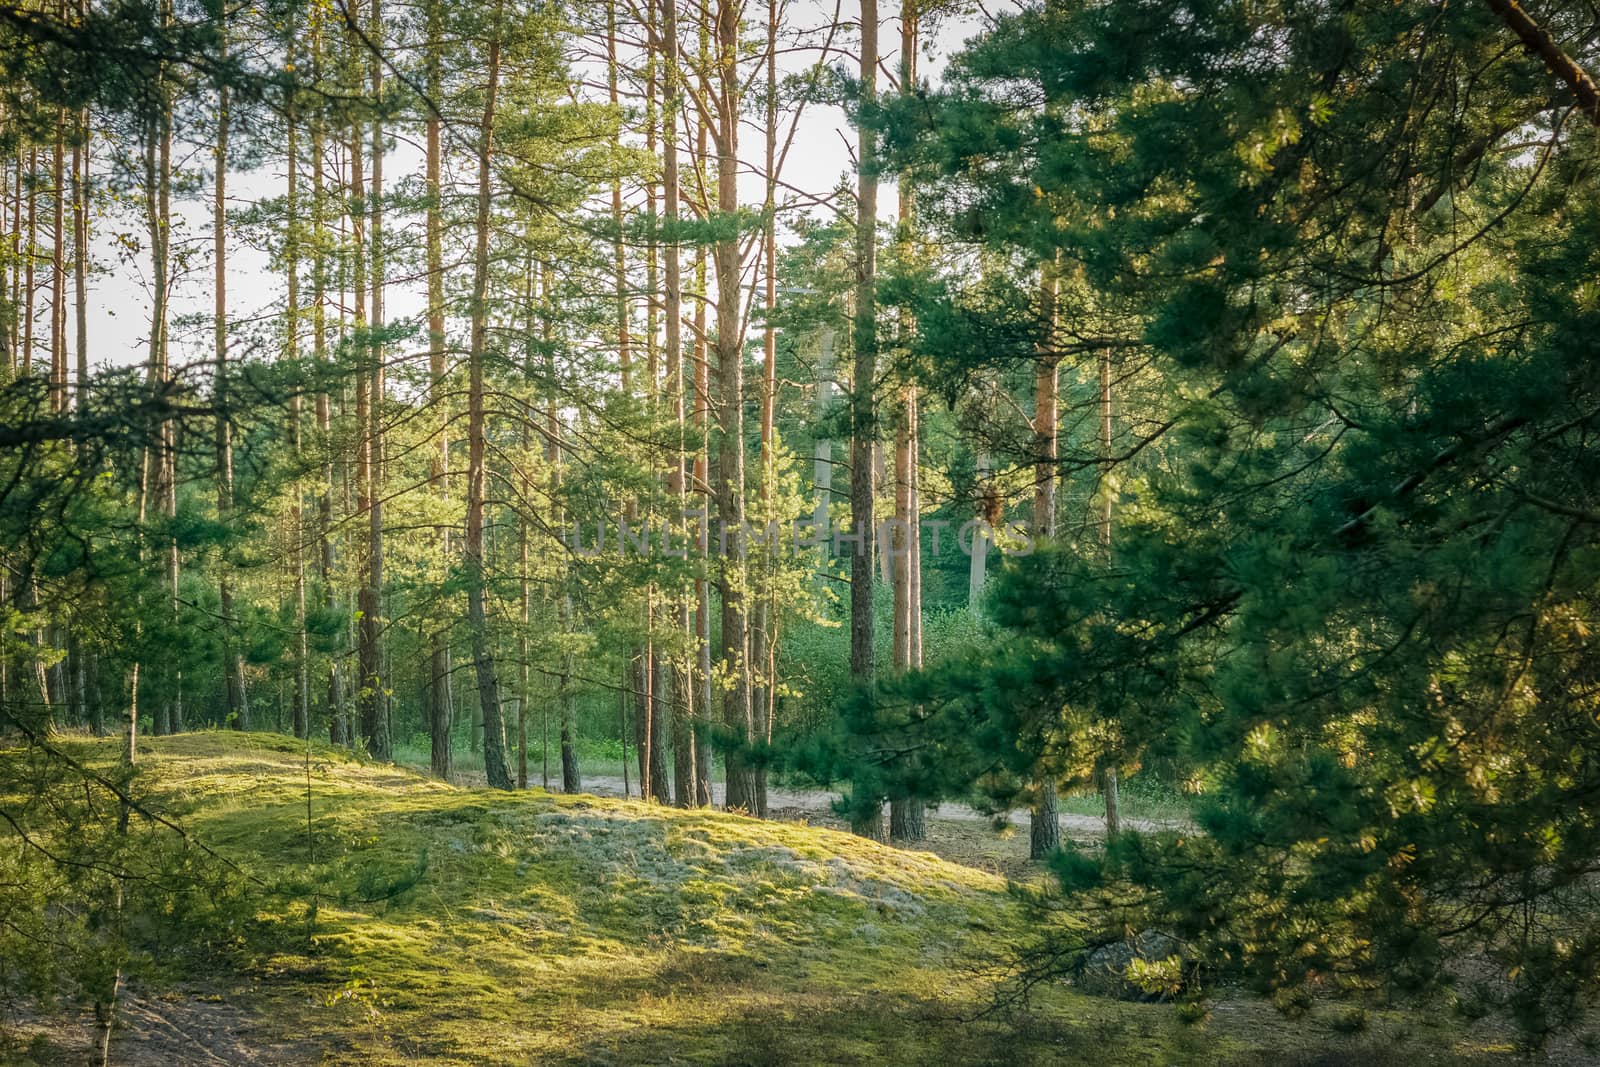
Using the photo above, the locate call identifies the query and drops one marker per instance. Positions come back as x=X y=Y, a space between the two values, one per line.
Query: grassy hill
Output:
x=419 y=922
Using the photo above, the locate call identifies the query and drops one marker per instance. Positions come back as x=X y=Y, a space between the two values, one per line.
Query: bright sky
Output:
x=119 y=302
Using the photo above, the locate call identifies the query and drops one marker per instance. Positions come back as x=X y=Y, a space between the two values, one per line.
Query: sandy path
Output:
x=821 y=803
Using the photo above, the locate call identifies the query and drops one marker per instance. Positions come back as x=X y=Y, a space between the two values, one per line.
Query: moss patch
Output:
x=417 y=922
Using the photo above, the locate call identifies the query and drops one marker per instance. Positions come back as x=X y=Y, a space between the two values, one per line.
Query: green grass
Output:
x=445 y=925
x=1141 y=797
x=596 y=757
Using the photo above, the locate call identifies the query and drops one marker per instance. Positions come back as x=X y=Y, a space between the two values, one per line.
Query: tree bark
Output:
x=439 y=703
x=30 y=255
x=233 y=660
x=374 y=680
x=658 y=709
x=702 y=474
x=1539 y=41
x=494 y=764
x=338 y=728
x=14 y=329
x=58 y=269
x=763 y=648
x=80 y=258
x=567 y=714
x=530 y=373
x=685 y=784
x=1110 y=777
x=302 y=661
x=907 y=814
x=741 y=791
x=1045 y=824
x=368 y=669
x=160 y=462
x=867 y=817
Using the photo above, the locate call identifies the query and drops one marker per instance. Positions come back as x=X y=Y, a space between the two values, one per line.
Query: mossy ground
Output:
x=417 y=922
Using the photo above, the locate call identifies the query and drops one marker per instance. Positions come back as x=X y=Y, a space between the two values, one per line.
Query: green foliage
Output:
x=1351 y=582
x=94 y=892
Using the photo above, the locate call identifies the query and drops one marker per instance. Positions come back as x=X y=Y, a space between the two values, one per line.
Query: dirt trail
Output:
x=821 y=803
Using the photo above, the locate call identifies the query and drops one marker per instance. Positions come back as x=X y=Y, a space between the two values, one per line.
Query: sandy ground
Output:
x=956 y=832
x=821 y=803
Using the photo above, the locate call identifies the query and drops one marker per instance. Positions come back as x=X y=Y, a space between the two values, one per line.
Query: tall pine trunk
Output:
x=494 y=763
x=763 y=649
x=338 y=720
x=1045 y=823
x=741 y=794
x=658 y=675
x=439 y=703
x=368 y=670
x=1109 y=776
x=375 y=681
x=58 y=268
x=702 y=585
x=30 y=257
x=161 y=461
x=238 y=713
x=14 y=328
x=80 y=253
x=302 y=657
x=685 y=770
x=907 y=814
x=566 y=699
x=867 y=814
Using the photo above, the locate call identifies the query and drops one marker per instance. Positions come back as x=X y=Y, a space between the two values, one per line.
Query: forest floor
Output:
x=957 y=832
x=454 y=925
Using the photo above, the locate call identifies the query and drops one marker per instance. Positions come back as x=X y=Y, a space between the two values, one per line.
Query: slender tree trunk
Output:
x=977 y=564
x=702 y=587
x=571 y=776
x=867 y=817
x=899 y=544
x=567 y=712
x=822 y=449
x=530 y=373
x=302 y=659
x=522 y=664
x=907 y=814
x=763 y=650
x=80 y=257
x=162 y=464
x=368 y=682
x=1045 y=823
x=14 y=348
x=352 y=402
x=494 y=763
x=685 y=783
x=439 y=703
x=1109 y=777
x=374 y=679
x=172 y=720
x=916 y=528
x=233 y=660
x=30 y=255
x=61 y=637
x=130 y=743
x=338 y=721
x=93 y=699
x=741 y=792
x=58 y=268
x=658 y=722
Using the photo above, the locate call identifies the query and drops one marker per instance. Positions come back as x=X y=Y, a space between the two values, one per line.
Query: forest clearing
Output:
x=777 y=532
x=464 y=926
